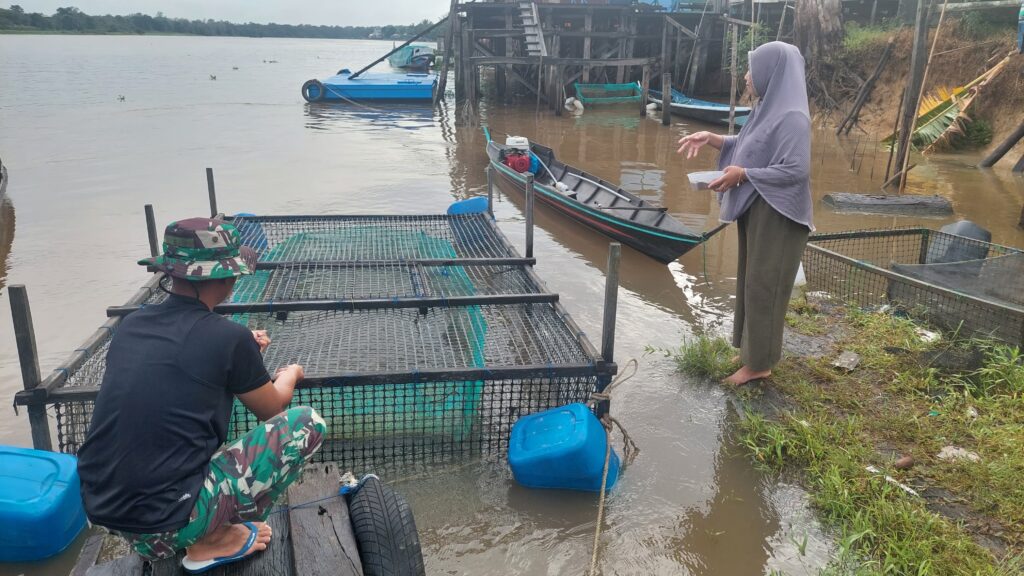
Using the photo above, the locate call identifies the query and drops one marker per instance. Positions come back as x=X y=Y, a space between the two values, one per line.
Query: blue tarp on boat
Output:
x=371 y=86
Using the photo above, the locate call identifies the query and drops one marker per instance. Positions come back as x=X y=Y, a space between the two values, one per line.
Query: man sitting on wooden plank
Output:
x=154 y=465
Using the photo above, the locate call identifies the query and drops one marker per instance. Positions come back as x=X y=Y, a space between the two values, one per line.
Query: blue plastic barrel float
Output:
x=40 y=504
x=561 y=448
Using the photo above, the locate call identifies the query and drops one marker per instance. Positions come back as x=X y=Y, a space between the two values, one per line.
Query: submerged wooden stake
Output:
x=28 y=357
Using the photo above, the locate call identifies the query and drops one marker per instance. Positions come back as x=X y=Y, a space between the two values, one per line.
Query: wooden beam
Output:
x=508 y=69
x=1003 y=147
x=526 y=61
x=680 y=27
x=981 y=5
x=736 y=21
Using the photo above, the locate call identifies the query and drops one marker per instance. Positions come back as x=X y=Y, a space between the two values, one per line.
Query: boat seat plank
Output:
x=323 y=540
x=276 y=560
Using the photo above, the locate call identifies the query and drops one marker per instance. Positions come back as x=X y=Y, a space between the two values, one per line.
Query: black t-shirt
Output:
x=162 y=412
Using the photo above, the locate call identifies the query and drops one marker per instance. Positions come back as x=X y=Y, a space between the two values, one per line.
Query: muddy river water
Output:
x=82 y=164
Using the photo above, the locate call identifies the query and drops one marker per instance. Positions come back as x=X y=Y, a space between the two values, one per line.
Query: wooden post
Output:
x=782 y=20
x=529 y=215
x=490 y=190
x=666 y=99
x=645 y=87
x=918 y=59
x=1003 y=147
x=735 y=76
x=213 y=192
x=611 y=302
x=448 y=53
x=588 y=29
x=459 y=48
x=559 y=88
x=154 y=246
x=28 y=357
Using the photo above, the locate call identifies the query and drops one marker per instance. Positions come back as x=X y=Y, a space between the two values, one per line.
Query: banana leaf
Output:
x=944 y=113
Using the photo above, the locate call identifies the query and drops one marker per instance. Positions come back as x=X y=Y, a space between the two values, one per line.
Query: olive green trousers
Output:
x=769 y=254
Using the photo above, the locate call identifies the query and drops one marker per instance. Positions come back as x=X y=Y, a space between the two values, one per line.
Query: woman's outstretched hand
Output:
x=689 y=145
x=733 y=176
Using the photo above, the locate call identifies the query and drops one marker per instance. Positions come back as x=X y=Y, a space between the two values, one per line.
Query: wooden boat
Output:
x=703 y=110
x=371 y=86
x=414 y=56
x=602 y=205
x=598 y=94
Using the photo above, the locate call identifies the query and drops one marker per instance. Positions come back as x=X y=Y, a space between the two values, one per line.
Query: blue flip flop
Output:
x=198 y=567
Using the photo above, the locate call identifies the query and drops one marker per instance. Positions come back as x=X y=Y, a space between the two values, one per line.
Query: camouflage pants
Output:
x=246 y=478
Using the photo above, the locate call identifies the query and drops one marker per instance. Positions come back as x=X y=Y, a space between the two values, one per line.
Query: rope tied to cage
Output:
x=630 y=450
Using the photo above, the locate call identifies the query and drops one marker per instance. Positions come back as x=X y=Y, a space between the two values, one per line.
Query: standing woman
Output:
x=766 y=190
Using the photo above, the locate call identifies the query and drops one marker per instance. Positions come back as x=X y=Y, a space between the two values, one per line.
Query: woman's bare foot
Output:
x=228 y=540
x=745 y=375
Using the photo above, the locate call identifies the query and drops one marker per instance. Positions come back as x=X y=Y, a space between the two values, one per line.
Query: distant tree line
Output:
x=71 y=19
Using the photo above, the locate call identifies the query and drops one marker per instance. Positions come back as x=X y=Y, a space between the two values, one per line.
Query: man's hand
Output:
x=733 y=177
x=273 y=397
x=295 y=370
x=262 y=339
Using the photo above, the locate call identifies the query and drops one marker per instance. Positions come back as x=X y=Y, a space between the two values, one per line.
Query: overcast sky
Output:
x=328 y=12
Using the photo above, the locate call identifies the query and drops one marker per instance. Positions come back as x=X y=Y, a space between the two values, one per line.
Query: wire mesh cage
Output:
x=608 y=93
x=414 y=373
x=953 y=282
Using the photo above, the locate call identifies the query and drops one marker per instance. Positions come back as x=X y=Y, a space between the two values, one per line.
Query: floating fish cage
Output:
x=423 y=338
x=952 y=282
x=596 y=94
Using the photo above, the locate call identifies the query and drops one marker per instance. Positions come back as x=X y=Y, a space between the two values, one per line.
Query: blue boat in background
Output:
x=413 y=57
x=371 y=86
x=703 y=110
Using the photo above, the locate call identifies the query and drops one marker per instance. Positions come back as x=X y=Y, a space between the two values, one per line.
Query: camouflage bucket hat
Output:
x=200 y=249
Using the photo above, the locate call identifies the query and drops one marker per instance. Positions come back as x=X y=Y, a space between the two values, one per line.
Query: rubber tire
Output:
x=385 y=531
x=319 y=85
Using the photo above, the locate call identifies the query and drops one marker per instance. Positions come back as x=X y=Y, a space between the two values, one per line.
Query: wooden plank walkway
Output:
x=311 y=539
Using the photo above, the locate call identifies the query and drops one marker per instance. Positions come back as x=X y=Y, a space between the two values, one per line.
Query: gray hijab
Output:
x=775 y=144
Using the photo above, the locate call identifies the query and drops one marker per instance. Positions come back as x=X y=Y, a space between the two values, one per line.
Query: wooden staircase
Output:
x=531 y=26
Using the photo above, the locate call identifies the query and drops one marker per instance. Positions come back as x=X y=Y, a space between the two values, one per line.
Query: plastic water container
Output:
x=40 y=505
x=475 y=205
x=561 y=448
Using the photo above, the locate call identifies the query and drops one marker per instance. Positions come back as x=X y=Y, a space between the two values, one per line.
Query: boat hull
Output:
x=709 y=112
x=374 y=86
x=641 y=238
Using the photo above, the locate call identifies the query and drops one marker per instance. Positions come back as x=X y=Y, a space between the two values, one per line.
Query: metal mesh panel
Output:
x=372 y=427
x=348 y=354
x=300 y=238
x=909 y=269
x=324 y=281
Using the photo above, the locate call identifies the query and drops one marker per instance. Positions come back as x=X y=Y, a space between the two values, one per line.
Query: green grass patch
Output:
x=704 y=356
x=859 y=39
x=897 y=402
